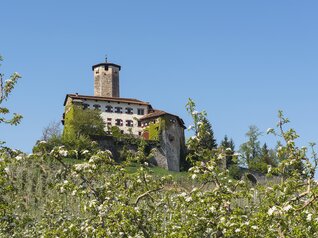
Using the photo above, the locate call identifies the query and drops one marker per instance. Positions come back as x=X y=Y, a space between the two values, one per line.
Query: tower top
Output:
x=106 y=79
x=106 y=65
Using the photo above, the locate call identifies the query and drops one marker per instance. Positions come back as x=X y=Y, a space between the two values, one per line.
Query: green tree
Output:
x=101 y=198
x=207 y=138
x=6 y=154
x=203 y=134
x=268 y=156
x=251 y=149
x=80 y=128
x=6 y=88
x=229 y=147
x=262 y=161
x=87 y=122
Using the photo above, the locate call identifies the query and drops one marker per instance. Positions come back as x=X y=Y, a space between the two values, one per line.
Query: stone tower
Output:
x=106 y=79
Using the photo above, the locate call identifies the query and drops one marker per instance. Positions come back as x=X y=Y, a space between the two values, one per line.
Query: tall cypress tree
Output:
x=226 y=143
x=207 y=139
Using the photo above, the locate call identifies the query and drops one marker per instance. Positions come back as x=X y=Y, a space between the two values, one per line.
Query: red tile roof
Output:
x=111 y=99
x=157 y=113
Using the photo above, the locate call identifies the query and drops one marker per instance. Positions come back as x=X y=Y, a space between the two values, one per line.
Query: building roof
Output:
x=111 y=99
x=158 y=113
x=106 y=65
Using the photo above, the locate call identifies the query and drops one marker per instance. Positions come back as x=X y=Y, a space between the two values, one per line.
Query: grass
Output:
x=181 y=178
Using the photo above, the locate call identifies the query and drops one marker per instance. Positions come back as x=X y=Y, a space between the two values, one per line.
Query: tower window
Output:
x=118 y=109
x=140 y=111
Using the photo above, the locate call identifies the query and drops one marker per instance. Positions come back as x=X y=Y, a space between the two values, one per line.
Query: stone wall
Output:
x=116 y=145
x=166 y=153
x=172 y=145
x=106 y=81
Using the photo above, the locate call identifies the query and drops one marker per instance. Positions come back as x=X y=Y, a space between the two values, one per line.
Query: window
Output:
x=139 y=123
x=139 y=133
x=119 y=122
x=129 y=110
x=171 y=137
x=85 y=106
x=140 y=111
x=96 y=106
x=109 y=121
x=129 y=123
x=118 y=109
x=109 y=108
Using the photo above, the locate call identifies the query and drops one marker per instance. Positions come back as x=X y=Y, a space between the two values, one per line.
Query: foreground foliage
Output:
x=45 y=196
x=6 y=86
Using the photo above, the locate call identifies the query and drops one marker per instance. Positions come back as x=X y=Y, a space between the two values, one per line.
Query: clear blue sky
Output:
x=241 y=61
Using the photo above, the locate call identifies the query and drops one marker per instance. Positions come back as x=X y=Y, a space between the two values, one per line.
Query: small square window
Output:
x=109 y=108
x=96 y=106
x=129 y=110
x=119 y=122
x=85 y=106
x=140 y=111
x=129 y=123
x=118 y=110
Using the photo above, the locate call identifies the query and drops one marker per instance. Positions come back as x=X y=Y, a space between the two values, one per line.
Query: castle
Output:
x=132 y=116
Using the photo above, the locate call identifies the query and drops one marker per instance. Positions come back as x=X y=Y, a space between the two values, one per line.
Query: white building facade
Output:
x=121 y=112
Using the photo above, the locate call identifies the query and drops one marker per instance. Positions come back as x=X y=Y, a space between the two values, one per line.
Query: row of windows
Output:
x=147 y=123
x=122 y=132
x=108 y=108
x=120 y=122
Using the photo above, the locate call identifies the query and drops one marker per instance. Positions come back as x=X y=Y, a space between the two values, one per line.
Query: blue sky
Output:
x=241 y=61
